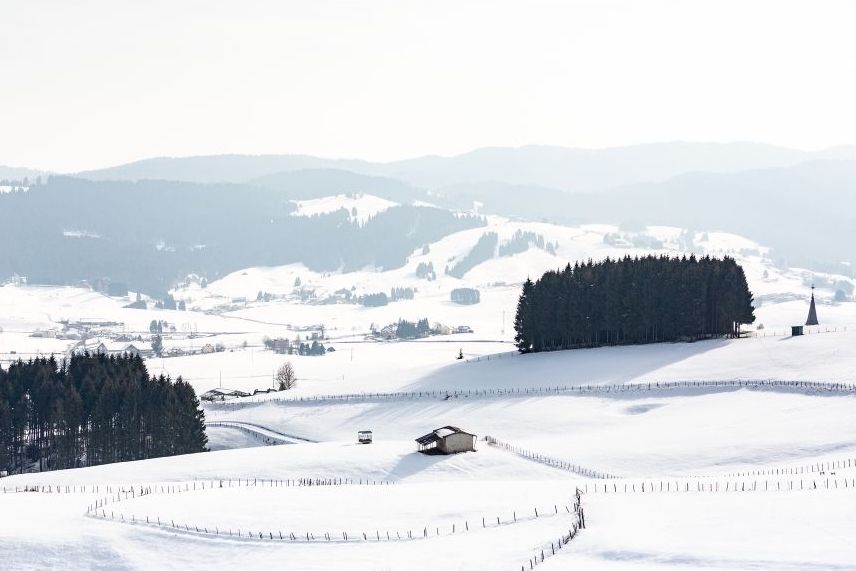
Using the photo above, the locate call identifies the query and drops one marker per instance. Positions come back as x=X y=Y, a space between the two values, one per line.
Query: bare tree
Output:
x=286 y=377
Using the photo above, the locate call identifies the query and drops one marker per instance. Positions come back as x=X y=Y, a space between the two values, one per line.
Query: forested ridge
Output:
x=481 y=252
x=151 y=235
x=633 y=300
x=93 y=409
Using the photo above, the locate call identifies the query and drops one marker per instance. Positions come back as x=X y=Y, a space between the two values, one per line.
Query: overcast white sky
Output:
x=93 y=83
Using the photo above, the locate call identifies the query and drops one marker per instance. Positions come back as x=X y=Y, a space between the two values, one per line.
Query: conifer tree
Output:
x=522 y=339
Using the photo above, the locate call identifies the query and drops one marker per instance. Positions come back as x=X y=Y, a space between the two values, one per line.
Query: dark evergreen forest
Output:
x=630 y=301
x=465 y=296
x=93 y=409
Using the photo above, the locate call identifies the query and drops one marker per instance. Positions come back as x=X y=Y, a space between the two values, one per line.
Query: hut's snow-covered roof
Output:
x=440 y=433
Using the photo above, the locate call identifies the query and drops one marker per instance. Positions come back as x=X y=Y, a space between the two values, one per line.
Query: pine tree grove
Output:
x=633 y=300
x=93 y=409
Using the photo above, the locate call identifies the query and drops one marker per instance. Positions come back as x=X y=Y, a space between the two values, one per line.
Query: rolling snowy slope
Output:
x=790 y=451
x=804 y=531
x=360 y=207
x=645 y=433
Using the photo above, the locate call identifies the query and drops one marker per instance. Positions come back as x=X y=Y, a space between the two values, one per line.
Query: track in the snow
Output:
x=266 y=435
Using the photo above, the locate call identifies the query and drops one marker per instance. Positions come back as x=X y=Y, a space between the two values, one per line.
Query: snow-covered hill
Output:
x=498 y=277
x=360 y=207
x=297 y=301
x=790 y=451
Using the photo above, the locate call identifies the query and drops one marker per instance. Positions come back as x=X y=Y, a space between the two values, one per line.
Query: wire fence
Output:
x=88 y=489
x=815 y=469
x=105 y=509
x=578 y=523
x=549 y=461
x=130 y=492
x=718 y=485
x=125 y=490
x=807 y=330
x=263 y=435
x=493 y=357
x=828 y=467
x=825 y=387
x=819 y=468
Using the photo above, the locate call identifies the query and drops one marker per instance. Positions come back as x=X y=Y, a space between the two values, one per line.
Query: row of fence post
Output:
x=99 y=510
x=578 y=523
x=768 y=384
x=814 y=468
x=554 y=462
x=729 y=486
x=191 y=485
x=257 y=434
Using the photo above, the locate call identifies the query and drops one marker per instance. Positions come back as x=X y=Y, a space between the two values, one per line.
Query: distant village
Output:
x=100 y=336
x=409 y=330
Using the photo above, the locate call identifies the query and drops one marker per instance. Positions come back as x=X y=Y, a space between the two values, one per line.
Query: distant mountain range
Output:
x=567 y=169
x=221 y=168
x=805 y=212
x=19 y=173
x=801 y=204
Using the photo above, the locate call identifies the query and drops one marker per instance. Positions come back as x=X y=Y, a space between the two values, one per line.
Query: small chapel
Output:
x=812 y=310
x=810 y=320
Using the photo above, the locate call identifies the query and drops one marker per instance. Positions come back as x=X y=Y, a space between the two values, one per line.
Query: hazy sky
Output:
x=93 y=83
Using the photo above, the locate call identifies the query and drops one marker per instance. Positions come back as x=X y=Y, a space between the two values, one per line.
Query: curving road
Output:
x=268 y=436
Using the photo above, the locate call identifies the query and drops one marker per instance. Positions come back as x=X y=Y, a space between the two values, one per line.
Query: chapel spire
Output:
x=812 y=310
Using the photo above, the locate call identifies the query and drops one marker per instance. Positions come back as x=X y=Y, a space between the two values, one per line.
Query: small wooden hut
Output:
x=446 y=440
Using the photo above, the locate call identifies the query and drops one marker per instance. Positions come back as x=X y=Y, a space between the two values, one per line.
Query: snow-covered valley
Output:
x=707 y=455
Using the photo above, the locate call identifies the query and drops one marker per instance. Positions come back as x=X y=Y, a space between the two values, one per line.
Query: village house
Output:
x=91 y=346
x=281 y=346
x=45 y=333
x=440 y=329
x=389 y=332
x=220 y=394
x=135 y=349
x=99 y=347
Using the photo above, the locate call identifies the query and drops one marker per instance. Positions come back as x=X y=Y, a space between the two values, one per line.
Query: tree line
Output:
x=409 y=330
x=481 y=252
x=633 y=300
x=93 y=409
x=465 y=296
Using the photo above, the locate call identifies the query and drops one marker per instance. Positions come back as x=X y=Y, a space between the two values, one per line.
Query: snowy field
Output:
x=791 y=452
x=360 y=207
x=629 y=435
x=796 y=531
x=772 y=528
